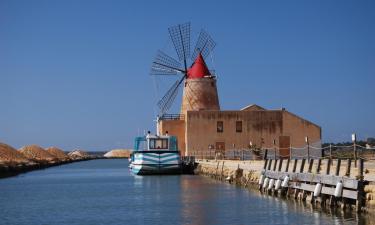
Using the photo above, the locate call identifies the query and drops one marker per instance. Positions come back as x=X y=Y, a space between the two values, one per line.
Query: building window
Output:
x=238 y=126
x=220 y=126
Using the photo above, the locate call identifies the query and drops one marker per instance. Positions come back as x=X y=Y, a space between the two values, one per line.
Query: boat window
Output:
x=158 y=143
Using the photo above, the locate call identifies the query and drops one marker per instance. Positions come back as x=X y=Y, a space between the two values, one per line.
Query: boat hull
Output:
x=156 y=162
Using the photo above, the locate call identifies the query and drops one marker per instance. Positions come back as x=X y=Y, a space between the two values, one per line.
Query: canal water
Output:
x=105 y=192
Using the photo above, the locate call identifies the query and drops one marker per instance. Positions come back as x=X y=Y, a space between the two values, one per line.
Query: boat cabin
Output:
x=156 y=143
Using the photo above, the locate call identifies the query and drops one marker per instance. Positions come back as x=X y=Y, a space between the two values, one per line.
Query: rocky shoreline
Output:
x=34 y=157
x=8 y=170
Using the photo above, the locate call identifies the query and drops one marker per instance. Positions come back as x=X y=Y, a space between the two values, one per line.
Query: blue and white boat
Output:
x=155 y=154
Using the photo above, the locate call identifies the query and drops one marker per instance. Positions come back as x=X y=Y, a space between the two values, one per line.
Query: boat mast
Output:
x=157 y=125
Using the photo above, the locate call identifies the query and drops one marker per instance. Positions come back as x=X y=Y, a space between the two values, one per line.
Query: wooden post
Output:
x=265 y=164
x=318 y=166
x=311 y=162
x=360 y=170
x=302 y=165
x=348 y=165
x=269 y=164
x=328 y=168
x=295 y=165
x=361 y=193
x=280 y=164
x=265 y=154
x=274 y=165
x=287 y=165
x=338 y=167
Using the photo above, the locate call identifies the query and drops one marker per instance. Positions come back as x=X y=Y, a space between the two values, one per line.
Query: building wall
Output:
x=260 y=127
x=175 y=128
x=201 y=130
x=298 y=128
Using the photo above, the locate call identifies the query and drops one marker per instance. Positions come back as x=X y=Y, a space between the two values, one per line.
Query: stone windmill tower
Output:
x=200 y=91
x=199 y=83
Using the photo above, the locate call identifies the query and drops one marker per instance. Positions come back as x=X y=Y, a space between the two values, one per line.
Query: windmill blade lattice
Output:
x=166 y=102
x=205 y=45
x=180 y=36
x=165 y=65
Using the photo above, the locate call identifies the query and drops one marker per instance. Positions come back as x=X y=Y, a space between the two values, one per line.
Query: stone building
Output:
x=201 y=125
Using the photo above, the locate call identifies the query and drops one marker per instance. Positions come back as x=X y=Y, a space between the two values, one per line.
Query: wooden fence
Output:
x=324 y=181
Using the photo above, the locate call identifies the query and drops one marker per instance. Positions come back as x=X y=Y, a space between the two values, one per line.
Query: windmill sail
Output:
x=180 y=35
x=204 y=45
x=165 y=65
x=166 y=102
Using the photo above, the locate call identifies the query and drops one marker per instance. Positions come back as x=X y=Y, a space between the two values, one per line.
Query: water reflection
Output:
x=105 y=192
x=202 y=203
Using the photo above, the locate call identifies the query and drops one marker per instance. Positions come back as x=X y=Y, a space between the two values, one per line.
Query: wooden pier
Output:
x=316 y=180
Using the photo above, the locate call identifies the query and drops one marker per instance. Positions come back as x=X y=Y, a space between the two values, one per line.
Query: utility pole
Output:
x=354 y=137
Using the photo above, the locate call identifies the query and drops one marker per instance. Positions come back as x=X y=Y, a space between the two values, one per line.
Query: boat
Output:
x=154 y=154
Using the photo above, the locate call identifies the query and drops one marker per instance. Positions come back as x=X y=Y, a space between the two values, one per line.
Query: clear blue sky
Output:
x=74 y=74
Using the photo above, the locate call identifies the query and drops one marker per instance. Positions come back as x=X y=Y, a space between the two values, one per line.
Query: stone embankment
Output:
x=32 y=157
x=243 y=173
x=247 y=174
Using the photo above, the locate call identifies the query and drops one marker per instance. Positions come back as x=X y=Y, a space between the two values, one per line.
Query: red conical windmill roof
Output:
x=198 y=69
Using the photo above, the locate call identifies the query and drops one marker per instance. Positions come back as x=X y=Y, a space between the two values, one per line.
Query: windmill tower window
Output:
x=220 y=126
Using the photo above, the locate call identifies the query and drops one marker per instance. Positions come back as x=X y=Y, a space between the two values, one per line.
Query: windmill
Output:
x=199 y=96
